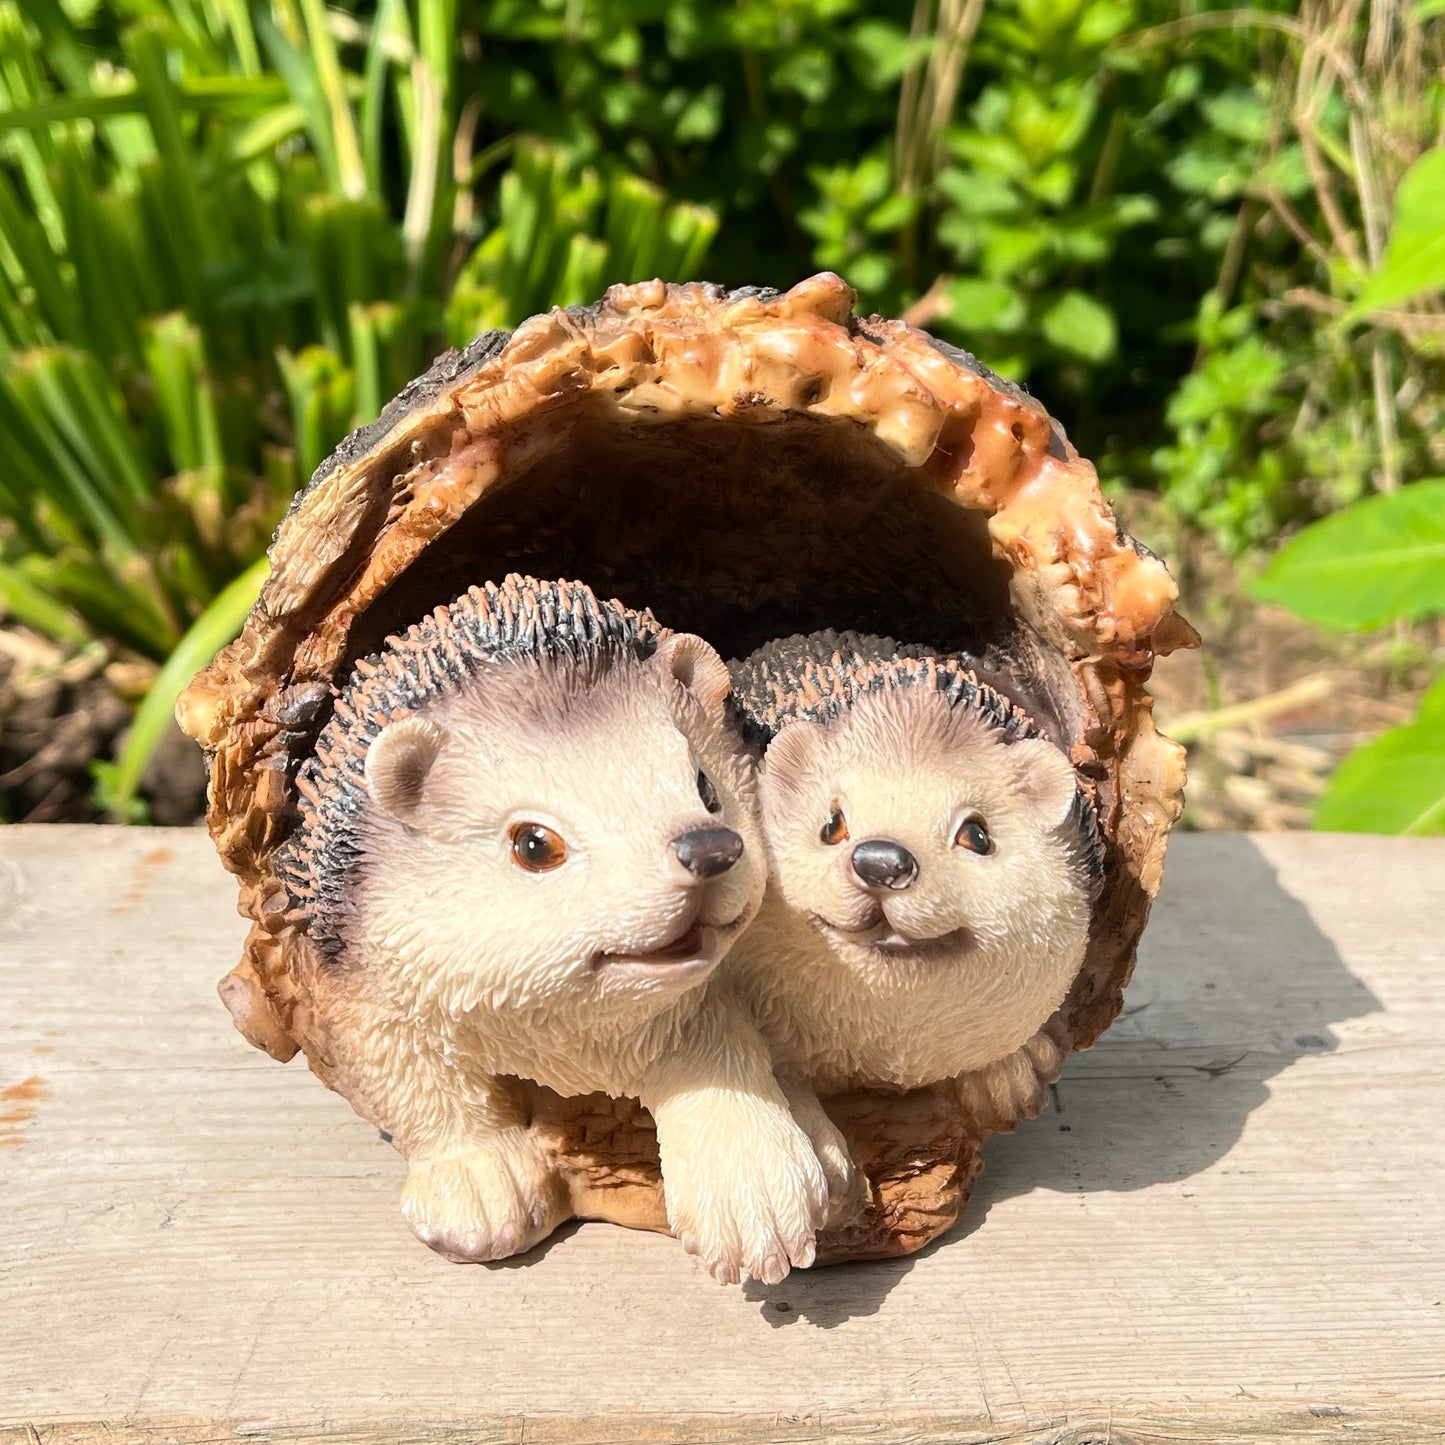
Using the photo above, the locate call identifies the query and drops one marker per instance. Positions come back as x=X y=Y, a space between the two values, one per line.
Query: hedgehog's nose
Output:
x=708 y=852
x=881 y=863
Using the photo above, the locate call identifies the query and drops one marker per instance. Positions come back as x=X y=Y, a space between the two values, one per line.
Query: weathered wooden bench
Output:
x=1230 y=1227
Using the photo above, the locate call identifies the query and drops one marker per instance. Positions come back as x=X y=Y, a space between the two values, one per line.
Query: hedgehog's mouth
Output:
x=692 y=955
x=882 y=937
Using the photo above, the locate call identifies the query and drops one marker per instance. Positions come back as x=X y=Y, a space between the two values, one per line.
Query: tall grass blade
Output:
x=210 y=632
x=342 y=123
x=26 y=602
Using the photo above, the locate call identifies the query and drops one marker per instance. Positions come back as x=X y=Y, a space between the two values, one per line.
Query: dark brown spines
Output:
x=518 y=620
x=819 y=676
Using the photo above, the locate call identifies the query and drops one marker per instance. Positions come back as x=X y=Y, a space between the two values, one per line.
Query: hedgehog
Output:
x=933 y=864
x=528 y=837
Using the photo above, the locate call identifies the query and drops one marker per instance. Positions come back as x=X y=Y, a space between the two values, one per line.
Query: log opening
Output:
x=742 y=534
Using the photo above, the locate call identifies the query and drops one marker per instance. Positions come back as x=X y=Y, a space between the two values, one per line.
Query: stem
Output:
x=1385 y=418
x=1191 y=726
x=1230 y=267
x=1113 y=147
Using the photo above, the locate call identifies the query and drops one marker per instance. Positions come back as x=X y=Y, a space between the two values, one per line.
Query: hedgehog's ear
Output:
x=398 y=762
x=785 y=764
x=692 y=662
x=1044 y=776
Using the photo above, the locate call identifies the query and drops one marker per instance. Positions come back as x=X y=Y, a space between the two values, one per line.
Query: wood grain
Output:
x=1231 y=1226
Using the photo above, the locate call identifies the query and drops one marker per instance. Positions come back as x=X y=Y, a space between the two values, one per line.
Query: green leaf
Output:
x=209 y=94
x=1415 y=258
x=345 y=142
x=321 y=390
x=1238 y=113
x=882 y=51
x=1209 y=168
x=1396 y=783
x=210 y=632
x=1078 y=324
x=1241 y=378
x=976 y=305
x=1285 y=172
x=1377 y=561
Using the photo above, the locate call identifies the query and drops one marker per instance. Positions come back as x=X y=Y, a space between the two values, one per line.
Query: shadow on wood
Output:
x=1241 y=985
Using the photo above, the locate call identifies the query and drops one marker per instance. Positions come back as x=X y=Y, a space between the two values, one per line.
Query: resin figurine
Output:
x=751 y=464
x=527 y=841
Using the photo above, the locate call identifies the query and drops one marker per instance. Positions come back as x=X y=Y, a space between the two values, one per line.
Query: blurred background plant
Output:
x=231 y=229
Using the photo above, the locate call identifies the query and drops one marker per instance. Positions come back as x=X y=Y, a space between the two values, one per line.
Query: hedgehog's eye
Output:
x=973 y=835
x=708 y=793
x=835 y=830
x=536 y=847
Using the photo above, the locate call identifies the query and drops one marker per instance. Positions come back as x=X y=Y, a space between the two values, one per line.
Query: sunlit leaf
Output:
x=1374 y=562
x=977 y=305
x=1081 y=325
x=210 y=632
x=1396 y=783
x=881 y=51
x=1414 y=260
x=1239 y=113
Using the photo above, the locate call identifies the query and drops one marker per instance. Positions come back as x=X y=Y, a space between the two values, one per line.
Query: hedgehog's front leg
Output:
x=478 y=1187
x=745 y=1191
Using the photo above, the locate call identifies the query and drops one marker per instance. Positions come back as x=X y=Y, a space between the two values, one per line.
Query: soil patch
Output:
x=61 y=714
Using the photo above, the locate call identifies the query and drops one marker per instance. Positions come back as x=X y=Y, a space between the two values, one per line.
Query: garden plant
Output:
x=1208 y=236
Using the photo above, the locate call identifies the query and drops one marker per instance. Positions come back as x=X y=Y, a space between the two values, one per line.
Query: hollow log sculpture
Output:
x=749 y=465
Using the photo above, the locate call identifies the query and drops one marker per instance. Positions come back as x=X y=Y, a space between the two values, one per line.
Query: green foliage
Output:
x=1396 y=783
x=564 y=235
x=230 y=230
x=995 y=170
x=1289 y=183
x=1226 y=470
x=210 y=632
x=227 y=236
x=1379 y=561
x=201 y=293
x=1035 y=193
x=1415 y=260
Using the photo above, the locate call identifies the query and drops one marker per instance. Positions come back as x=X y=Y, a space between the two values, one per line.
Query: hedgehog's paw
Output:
x=750 y=1202
x=843 y=1178
x=490 y=1199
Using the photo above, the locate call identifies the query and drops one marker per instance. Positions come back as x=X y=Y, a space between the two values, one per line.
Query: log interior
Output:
x=742 y=534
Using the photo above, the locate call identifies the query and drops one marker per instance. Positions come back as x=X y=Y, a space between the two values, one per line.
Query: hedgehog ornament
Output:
x=933 y=862
x=750 y=464
x=527 y=839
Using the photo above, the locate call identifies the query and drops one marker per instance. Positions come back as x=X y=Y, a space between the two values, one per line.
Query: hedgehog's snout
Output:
x=882 y=863
x=707 y=852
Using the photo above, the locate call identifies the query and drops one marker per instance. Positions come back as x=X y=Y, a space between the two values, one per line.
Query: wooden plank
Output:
x=1231 y=1227
x=1322 y=1426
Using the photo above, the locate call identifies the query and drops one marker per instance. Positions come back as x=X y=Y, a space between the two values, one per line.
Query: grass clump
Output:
x=227 y=236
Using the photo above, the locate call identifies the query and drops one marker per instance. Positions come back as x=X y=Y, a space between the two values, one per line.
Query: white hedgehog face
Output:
x=918 y=845
x=562 y=840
